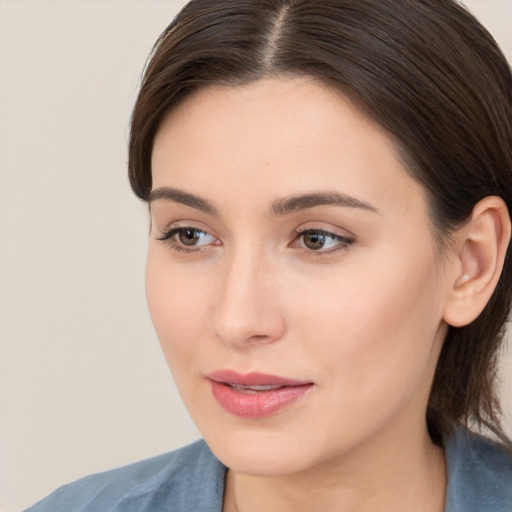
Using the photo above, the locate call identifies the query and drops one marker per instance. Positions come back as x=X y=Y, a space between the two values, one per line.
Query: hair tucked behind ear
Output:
x=425 y=70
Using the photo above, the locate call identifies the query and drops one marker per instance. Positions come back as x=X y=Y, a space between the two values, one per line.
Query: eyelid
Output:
x=325 y=227
x=184 y=223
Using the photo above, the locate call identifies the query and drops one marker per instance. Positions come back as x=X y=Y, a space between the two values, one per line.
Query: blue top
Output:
x=192 y=479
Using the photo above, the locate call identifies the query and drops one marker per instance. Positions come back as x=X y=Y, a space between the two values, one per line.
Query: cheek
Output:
x=178 y=309
x=372 y=328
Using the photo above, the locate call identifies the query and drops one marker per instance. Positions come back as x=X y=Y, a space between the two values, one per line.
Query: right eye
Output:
x=187 y=239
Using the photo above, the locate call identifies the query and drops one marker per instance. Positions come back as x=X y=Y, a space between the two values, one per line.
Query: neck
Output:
x=403 y=476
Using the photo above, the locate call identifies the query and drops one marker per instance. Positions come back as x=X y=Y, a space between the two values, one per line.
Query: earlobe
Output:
x=482 y=246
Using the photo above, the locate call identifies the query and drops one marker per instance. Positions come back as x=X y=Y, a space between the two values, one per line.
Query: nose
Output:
x=248 y=310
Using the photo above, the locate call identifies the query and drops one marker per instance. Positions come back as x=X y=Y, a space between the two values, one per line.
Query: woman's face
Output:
x=292 y=276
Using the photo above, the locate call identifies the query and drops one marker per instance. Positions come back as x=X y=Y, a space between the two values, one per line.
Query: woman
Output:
x=329 y=186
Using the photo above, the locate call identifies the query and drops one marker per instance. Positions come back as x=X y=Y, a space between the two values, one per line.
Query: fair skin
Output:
x=348 y=294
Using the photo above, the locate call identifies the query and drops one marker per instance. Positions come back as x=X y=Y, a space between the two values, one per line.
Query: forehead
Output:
x=278 y=137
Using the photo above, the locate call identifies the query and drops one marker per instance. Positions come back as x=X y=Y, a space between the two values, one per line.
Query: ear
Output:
x=481 y=246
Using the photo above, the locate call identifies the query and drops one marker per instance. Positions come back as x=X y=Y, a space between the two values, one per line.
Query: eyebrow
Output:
x=305 y=201
x=278 y=207
x=178 y=196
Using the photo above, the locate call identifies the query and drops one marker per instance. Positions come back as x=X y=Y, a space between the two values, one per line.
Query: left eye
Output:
x=187 y=237
x=319 y=240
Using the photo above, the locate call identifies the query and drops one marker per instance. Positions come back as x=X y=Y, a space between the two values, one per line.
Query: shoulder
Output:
x=190 y=478
x=479 y=474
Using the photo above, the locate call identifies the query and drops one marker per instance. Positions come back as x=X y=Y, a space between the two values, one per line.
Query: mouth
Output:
x=253 y=389
x=255 y=395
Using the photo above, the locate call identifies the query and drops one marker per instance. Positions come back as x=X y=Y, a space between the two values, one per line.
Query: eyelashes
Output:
x=187 y=239
x=316 y=242
x=320 y=241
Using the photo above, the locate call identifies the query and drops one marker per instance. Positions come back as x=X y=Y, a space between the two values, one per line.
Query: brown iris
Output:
x=189 y=236
x=314 y=240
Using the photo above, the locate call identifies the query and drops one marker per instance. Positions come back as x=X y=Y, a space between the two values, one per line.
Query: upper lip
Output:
x=253 y=379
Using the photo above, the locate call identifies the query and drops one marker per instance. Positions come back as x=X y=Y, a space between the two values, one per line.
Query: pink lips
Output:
x=254 y=395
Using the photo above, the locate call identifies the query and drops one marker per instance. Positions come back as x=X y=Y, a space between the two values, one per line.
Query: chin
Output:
x=269 y=450
x=261 y=459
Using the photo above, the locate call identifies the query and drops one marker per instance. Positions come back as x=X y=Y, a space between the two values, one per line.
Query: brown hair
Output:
x=425 y=70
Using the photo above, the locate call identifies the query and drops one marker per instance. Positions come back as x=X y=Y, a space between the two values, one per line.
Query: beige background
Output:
x=83 y=386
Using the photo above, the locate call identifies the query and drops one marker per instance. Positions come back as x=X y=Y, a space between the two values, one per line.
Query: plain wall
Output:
x=83 y=385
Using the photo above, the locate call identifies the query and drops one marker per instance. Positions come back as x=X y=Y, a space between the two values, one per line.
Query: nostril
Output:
x=242 y=337
x=258 y=337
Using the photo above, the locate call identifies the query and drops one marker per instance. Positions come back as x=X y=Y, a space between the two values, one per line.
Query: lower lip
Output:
x=259 y=404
